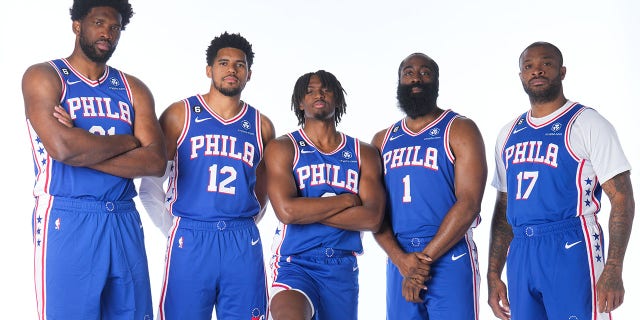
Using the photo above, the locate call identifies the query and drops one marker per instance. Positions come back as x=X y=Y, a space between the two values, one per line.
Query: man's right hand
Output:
x=498 y=300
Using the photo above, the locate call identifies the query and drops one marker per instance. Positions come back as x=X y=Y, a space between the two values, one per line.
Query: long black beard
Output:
x=549 y=94
x=418 y=104
x=92 y=53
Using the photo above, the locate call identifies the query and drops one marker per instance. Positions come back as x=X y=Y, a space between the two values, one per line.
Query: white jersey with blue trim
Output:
x=102 y=107
x=419 y=176
x=319 y=174
x=214 y=172
x=546 y=179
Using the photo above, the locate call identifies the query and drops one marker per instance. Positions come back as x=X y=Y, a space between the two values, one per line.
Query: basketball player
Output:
x=325 y=188
x=90 y=260
x=216 y=192
x=435 y=173
x=552 y=164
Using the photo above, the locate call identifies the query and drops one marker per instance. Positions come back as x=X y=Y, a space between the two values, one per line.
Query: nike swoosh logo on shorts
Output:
x=569 y=246
x=454 y=257
x=254 y=242
x=203 y=119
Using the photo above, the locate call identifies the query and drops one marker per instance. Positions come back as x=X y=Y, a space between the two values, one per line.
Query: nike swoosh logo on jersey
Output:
x=254 y=242
x=307 y=151
x=355 y=268
x=396 y=137
x=454 y=257
x=203 y=119
x=518 y=130
x=569 y=246
x=72 y=82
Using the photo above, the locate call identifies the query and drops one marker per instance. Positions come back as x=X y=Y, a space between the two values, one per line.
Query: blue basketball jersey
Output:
x=320 y=174
x=543 y=172
x=419 y=175
x=214 y=171
x=102 y=107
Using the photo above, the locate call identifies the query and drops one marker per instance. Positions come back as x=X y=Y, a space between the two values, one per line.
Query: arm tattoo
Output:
x=620 y=194
x=501 y=235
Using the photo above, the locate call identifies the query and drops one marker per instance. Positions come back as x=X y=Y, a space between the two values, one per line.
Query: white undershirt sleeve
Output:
x=152 y=195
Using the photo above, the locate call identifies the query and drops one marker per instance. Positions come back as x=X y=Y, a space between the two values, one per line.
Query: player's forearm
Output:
x=144 y=161
x=86 y=149
x=501 y=236
x=387 y=241
x=620 y=223
x=453 y=228
x=304 y=210
x=358 y=218
x=620 y=193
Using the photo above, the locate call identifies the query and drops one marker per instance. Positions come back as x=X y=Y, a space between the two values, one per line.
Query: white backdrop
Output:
x=476 y=44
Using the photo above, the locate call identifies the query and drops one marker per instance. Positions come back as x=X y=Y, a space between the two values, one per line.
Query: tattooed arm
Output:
x=501 y=236
x=610 y=289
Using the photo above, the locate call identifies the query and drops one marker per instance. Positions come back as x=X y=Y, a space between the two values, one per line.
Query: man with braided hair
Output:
x=326 y=188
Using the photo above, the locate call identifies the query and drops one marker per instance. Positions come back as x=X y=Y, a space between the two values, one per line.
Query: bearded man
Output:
x=435 y=173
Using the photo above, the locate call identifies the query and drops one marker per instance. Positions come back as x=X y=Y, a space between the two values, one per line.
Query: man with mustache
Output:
x=552 y=164
x=435 y=173
x=216 y=194
x=93 y=129
x=326 y=189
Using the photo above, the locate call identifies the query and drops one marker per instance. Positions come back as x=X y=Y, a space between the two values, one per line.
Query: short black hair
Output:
x=328 y=81
x=81 y=8
x=542 y=44
x=230 y=40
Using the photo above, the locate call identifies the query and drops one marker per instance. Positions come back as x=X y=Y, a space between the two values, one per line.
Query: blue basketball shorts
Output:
x=214 y=264
x=552 y=270
x=90 y=260
x=453 y=291
x=327 y=277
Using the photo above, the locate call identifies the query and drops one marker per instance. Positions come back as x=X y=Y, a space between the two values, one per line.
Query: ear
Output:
x=75 y=27
x=249 y=76
x=209 y=72
x=563 y=72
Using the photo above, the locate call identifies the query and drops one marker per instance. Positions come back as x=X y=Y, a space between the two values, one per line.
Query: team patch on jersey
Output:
x=302 y=143
x=197 y=108
x=115 y=84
